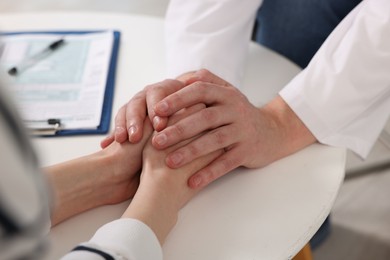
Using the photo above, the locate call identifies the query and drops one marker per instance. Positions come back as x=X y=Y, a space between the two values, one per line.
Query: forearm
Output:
x=108 y=176
x=77 y=186
x=153 y=208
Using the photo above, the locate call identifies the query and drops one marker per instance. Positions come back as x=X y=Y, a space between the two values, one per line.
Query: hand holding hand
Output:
x=130 y=117
x=105 y=177
x=252 y=137
x=163 y=191
x=122 y=164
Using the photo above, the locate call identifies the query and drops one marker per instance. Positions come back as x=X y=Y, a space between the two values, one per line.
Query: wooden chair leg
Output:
x=304 y=254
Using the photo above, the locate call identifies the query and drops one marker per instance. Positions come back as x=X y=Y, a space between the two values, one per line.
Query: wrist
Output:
x=154 y=207
x=74 y=186
x=88 y=182
x=293 y=133
x=114 y=181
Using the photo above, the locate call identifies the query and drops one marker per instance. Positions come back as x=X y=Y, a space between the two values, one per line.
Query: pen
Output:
x=43 y=127
x=32 y=60
x=50 y=121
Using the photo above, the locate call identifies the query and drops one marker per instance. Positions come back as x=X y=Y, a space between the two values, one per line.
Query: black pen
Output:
x=43 y=127
x=32 y=60
x=50 y=121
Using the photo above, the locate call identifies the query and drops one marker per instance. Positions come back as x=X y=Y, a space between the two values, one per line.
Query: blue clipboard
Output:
x=105 y=120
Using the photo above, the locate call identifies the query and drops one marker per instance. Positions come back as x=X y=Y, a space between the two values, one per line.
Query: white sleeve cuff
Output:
x=130 y=238
x=122 y=239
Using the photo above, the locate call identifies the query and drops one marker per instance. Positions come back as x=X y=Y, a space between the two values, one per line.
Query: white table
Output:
x=268 y=213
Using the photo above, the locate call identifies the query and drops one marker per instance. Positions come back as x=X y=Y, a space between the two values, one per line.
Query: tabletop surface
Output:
x=268 y=213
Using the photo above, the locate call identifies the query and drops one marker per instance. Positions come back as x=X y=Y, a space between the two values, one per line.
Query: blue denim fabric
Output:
x=297 y=28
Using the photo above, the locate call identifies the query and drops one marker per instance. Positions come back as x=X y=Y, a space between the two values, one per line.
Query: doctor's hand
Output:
x=251 y=137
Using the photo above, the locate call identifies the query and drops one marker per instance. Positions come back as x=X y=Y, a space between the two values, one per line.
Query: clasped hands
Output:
x=251 y=137
x=204 y=128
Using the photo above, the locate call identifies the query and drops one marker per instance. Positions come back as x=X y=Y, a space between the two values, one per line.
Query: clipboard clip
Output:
x=43 y=127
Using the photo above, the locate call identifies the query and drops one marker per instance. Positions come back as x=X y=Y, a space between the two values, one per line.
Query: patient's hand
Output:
x=123 y=164
x=106 y=177
x=163 y=191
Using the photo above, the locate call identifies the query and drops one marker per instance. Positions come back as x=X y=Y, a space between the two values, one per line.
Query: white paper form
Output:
x=69 y=84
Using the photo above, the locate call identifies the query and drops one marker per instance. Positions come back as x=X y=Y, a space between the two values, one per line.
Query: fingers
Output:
x=120 y=132
x=198 y=92
x=159 y=140
x=185 y=112
x=198 y=165
x=130 y=117
x=135 y=114
x=147 y=131
x=156 y=93
x=133 y=120
x=107 y=141
x=190 y=126
x=219 y=167
x=206 y=76
x=205 y=144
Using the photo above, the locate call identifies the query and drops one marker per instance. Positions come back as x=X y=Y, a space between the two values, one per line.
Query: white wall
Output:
x=149 y=7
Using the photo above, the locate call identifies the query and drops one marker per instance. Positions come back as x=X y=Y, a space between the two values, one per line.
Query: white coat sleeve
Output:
x=343 y=96
x=209 y=34
x=125 y=238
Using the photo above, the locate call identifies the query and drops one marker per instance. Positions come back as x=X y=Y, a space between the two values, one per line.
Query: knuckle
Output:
x=203 y=73
x=228 y=163
x=155 y=87
x=198 y=85
x=148 y=87
x=168 y=82
x=137 y=97
x=209 y=174
x=193 y=150
x=175 y=98
x=220 y=138
x=178 y=129
x=208 y=115
x=151 y=89
x=119 y=118
x=200 y=88
x=161 y=86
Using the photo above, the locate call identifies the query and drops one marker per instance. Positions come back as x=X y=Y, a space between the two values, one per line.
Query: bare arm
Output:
x=106 y=177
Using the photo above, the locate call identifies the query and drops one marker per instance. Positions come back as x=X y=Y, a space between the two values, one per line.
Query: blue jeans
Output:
x=297 y=28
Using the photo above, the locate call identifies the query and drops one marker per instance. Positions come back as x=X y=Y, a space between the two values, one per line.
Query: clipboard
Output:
x=49 y=128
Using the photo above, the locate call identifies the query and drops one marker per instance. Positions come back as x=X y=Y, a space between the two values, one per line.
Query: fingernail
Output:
x=176 y=158
x=156 y=122
x=132 y=130
x=160 y=139
x=162 y=107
